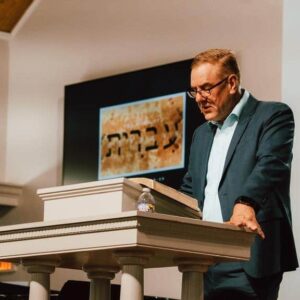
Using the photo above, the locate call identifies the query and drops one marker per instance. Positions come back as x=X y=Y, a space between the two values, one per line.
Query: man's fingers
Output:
x=259 y=231
x=255 y=227
x=251 y=225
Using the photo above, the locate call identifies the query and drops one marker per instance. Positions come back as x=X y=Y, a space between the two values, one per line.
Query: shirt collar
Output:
x=236 y=112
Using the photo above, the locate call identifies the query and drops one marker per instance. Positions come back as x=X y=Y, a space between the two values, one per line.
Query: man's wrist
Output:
x=248 y=202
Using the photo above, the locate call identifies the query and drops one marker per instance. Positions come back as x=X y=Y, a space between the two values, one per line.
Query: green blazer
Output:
x=257 y=166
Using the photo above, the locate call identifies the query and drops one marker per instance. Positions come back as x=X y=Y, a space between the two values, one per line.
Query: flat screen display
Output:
x=136 y=124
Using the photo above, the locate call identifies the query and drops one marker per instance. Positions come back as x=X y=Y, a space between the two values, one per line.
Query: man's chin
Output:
x=209 y=116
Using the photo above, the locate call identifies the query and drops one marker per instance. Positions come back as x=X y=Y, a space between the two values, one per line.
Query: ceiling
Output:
x=11 y=12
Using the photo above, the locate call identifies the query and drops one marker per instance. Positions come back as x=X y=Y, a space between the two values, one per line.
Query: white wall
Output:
x=290 y=94
x=68 y=41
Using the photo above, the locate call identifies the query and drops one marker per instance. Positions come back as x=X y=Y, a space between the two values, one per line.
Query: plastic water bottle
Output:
x=146 y=201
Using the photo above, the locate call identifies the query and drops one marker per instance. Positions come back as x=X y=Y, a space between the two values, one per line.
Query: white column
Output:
x=132 y=280
x=100 y=281
x=40 y=278
x=192 y=277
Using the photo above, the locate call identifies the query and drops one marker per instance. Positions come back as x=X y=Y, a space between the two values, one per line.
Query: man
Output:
x=239 y=170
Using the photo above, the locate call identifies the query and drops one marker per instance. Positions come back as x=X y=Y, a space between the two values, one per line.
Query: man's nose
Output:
x=199 y=98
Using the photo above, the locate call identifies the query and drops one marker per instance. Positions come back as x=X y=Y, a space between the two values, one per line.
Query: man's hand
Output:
x=244 y=216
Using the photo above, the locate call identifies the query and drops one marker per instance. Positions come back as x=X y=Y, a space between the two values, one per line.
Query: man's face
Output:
x=218 y=105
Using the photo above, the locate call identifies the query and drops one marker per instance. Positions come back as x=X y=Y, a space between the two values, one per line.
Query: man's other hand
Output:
x=244 y=216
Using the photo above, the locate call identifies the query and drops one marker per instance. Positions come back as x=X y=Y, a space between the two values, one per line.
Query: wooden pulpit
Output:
x=95 y=227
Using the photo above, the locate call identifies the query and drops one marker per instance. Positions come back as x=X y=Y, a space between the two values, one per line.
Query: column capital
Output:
x=132 y=257
x=190 y=264
x=100 y=272
x=40 y=266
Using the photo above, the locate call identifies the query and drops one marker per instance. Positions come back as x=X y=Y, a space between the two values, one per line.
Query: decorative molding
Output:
x=27 y=14
x=10 y=194
x=29 y=11
x=4 y=36
x=68 y=229
x=83 y=189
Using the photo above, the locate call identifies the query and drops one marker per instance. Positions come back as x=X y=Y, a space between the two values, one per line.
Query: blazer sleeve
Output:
x=187 y=181
x=273 y=155
x=187 y=186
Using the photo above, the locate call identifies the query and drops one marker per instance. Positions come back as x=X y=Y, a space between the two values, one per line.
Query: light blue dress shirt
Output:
x=212 y=209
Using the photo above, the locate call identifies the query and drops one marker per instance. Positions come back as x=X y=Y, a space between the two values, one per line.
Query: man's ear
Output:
x=234 y=83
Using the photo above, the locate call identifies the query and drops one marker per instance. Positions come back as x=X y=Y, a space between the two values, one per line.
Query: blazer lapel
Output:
x=245 y=117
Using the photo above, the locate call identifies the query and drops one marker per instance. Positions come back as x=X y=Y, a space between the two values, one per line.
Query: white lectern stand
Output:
x=101 y=244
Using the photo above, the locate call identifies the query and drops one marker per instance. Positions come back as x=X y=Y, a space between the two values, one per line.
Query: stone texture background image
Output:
x=142 y=136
